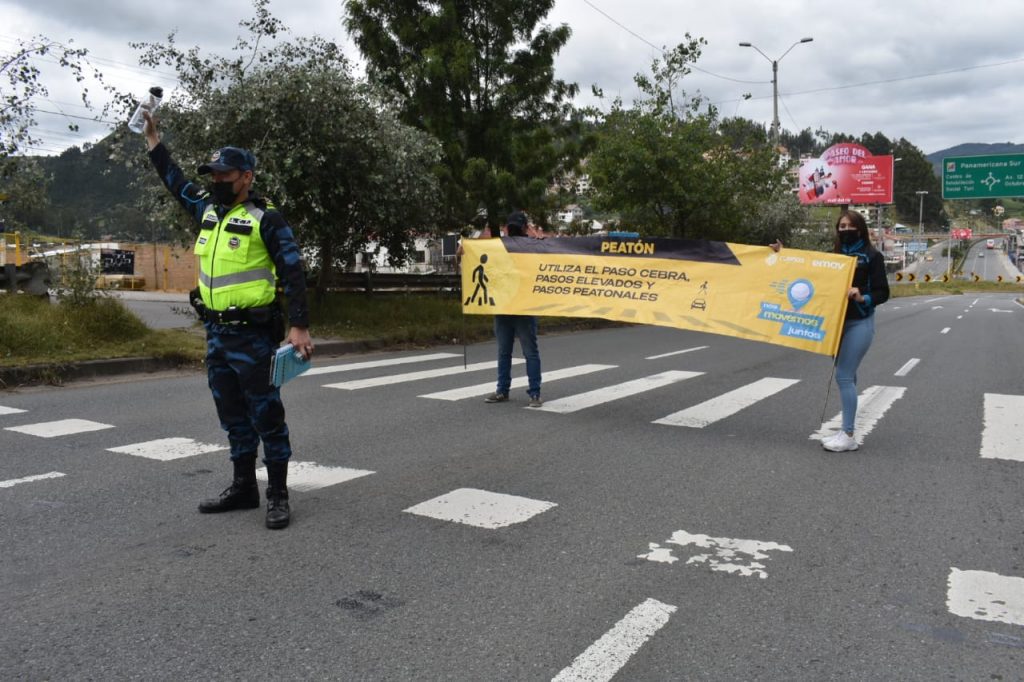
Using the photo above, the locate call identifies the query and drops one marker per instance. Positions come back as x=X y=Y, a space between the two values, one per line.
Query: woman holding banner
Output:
x=870 y=289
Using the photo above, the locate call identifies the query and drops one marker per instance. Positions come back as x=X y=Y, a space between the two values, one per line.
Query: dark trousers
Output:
x=248 y=405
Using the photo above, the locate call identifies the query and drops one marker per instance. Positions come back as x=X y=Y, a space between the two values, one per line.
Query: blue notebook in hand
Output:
x=287 y=364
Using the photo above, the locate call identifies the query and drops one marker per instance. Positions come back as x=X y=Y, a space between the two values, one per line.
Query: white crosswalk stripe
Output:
x=675 y=352
x=727 y=404
x=872 y=405
x=373 y=364
x=1004 y=421
x=388 y=380
x=607 y=394
x=10 y=410
x=167 y=449
x=985 y=596
x=481 y=508
x=304 y=476
x=518 y=382
x=30 y=479
x=62 y=427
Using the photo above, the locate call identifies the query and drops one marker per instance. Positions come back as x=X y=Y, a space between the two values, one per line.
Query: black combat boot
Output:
x=241 y=494
x=278 y=513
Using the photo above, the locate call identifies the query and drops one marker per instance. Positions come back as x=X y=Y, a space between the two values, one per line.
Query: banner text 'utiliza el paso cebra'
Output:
x=792 y=298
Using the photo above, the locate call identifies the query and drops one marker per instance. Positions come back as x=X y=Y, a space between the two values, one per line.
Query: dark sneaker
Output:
x=535 y=401
x=496 y=398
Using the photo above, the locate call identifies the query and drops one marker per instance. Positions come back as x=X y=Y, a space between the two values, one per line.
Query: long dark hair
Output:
x=857 y=220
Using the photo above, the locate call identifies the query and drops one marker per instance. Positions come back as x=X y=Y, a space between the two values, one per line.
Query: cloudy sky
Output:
x=936 y=73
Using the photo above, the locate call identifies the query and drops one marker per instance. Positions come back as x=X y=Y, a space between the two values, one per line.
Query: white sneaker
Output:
x=841 y=442
x=828 y=439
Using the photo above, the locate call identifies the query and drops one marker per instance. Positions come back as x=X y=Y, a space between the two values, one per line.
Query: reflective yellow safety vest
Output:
x=235 y=268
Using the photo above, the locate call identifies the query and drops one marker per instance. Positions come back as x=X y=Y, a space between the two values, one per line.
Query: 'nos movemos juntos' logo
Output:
x=794 y=323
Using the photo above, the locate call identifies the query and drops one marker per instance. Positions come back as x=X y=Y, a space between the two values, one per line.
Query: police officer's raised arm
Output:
x=193 y=197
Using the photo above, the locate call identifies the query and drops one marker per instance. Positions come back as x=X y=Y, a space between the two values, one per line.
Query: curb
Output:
x=57 y=373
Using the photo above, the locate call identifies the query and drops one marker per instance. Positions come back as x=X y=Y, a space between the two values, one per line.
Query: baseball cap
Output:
x=229 y=158
x=516 y=223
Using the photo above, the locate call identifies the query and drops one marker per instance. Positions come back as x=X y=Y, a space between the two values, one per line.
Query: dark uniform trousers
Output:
x=248 y=405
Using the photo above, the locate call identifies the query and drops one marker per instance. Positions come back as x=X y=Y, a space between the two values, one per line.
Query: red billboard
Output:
x=846 y=173
x=961 y=233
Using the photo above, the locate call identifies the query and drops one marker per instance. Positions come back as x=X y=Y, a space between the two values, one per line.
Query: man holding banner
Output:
x=509 y=327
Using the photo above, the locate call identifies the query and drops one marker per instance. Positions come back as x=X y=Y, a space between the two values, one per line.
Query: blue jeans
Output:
x=857 y=336
x=506 y=329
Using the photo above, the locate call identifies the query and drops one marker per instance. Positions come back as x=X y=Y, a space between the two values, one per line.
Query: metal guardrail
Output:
x=370 y=282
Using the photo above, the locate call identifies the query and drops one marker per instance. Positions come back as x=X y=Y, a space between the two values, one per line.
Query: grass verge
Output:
x=36 y=332
x=955 y=287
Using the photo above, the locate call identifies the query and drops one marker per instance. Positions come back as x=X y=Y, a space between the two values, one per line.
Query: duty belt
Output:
x=262 y=315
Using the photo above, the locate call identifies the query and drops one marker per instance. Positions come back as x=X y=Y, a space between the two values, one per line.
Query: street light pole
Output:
x=920 y=212
x=775 y=84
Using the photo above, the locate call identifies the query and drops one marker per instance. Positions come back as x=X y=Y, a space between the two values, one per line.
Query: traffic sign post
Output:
x=983 y=177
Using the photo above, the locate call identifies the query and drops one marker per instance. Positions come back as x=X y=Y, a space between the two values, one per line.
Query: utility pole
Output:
x=776 y=126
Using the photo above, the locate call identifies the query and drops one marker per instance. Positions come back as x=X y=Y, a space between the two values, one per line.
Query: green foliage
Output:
x=24 y=183
x=21 y=88
x=332 y=153
x=34 y=328
x=75 y=277
x=480 y=78
x=670 y=170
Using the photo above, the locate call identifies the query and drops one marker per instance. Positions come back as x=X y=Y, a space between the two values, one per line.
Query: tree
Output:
x=913 y=173
x=669 y=169
x=479 y=77
x=21 y=85
x=24 y=189
x=331 y=150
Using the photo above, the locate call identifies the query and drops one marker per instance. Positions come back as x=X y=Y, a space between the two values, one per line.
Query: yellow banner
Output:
x=791 y=298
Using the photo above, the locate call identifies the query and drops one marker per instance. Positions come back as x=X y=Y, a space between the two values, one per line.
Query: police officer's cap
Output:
x=229 y=158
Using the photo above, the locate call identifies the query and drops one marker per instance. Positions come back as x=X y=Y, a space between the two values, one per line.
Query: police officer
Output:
x=244 y=246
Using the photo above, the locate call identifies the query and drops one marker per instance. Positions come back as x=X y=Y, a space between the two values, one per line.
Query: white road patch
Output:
x=945 y=330
x=29 y=479
x=1003 y=424
x=727 y=404
x=580 y=401
x=518 y=382
x=728 y=555
x=63 y=427
x=872 y=405
x=303 y=476
x=675 y=352
x=373 y=364
x=416 y=376
x=905 y=369
x=481 y=508
x=985 y=596
x=167 y=449
x=10 y=410
x=605 y=657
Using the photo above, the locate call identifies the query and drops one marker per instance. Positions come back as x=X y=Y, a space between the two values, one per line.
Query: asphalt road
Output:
x=987 y=264
x=724 y=544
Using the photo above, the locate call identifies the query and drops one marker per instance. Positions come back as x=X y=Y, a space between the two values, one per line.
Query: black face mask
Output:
x=223 y=193
x=849 y=237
